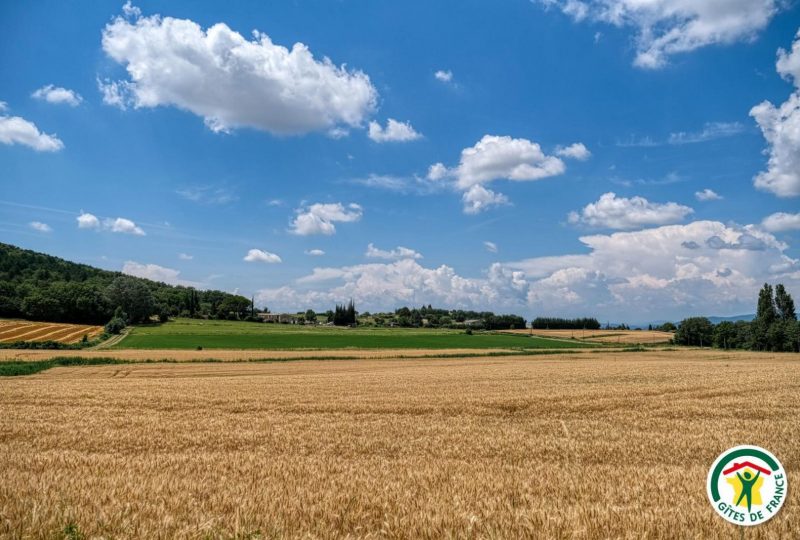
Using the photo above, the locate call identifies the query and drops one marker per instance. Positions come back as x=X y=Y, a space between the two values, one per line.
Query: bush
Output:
x=468 y=331
x=50 y=345
x=115 y=325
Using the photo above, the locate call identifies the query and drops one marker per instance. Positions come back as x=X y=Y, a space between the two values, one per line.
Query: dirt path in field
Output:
x=110 y=342
x=623 y=337
x=226 y=355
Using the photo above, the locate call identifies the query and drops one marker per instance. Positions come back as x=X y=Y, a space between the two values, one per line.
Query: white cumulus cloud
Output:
x=17 y=130
x=443 y=75
x=707 y=195
x=393 y=132
x=41 y=227
x=258 y=255
x=88 y=221
x=58 y=95
x=115 y=225
x=402 y=282
x=672 y=271
x=478 y=199
x=320 y=218
x=315 y=252
x=575 y=151
x=781 y=221
x=155 y=272
x=781 y=128
x=123 y=225
x=397 y=253
x=230 y=81
x=668 y=27
x=437 y=171
x=502 y=157
x=615 y=212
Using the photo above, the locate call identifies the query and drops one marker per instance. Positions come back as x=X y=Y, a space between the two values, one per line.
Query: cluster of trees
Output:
x=664 y=327
x=344 y=315
x=775 y=327
x=555 y=323
x=40 y=287
x=430 y=316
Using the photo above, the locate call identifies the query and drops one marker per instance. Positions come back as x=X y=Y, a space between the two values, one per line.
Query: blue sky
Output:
x=548 y=157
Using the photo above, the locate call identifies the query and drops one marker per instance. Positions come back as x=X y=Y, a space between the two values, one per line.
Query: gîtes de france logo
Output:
x=747 y=485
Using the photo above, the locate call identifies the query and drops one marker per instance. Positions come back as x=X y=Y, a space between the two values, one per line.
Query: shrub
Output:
x=115 y=325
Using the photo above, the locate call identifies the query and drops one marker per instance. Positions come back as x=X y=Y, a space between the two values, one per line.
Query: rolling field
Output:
x=590 y=445
x=190 y=334
x=17 y=330
x=625 y=337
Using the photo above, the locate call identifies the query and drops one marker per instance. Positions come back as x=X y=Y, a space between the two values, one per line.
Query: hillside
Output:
x=41 y=287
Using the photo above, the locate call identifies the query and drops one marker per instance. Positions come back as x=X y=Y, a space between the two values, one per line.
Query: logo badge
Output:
x=747 y=485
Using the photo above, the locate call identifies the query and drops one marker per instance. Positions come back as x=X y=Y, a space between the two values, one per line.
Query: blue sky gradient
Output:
x=523 y=70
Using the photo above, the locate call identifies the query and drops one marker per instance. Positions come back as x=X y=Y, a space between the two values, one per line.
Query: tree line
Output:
x=775 y=327
x=431 y=317
x=41 y=287
x=556 y=323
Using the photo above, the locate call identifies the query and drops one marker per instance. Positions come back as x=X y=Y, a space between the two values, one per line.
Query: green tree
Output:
x=784 y=304
x=792 y=336
x=766 y=312
x=133 y=296
x=695 y=331
x=233 y=307
x=311 y=315
x=725 y=335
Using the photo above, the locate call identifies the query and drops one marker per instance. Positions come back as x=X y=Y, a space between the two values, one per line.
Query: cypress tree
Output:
x=766 y=313
x=784 y=303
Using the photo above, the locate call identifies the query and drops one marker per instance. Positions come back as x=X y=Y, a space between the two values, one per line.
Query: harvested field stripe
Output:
x=42 y=331
x=12 y=328
x=54 y=334
x=24 y=333
x=16 y=330
x=78 y=335
x=17 y=368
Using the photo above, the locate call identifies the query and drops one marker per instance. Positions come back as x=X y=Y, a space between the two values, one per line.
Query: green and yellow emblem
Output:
x=747 y=485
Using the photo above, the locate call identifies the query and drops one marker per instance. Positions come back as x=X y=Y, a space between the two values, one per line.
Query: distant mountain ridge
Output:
x=733 y=318
x=714 y=320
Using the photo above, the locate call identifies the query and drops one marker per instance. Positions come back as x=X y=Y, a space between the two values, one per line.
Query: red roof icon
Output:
x=745 y=464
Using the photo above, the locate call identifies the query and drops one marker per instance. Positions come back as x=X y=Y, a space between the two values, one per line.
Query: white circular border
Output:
x=746 y=447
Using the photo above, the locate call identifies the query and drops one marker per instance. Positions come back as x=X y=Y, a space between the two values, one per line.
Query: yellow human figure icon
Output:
x=747 y=488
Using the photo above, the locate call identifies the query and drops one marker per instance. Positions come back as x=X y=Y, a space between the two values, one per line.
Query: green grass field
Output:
x=190 y=334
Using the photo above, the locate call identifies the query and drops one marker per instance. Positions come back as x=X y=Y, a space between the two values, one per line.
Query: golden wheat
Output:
x=602 y=336
x=587 y=446
x=14 y=330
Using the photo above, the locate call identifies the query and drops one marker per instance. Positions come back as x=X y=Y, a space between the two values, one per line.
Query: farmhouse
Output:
x=283 y=318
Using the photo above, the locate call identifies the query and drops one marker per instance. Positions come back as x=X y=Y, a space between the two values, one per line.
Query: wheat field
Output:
x=584 y=445
x=18 y=330
x=601 y=336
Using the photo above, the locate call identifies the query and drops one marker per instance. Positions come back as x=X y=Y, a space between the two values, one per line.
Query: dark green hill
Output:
x=42 y=287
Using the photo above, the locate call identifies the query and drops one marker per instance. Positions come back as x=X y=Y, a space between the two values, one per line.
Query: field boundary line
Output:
x=113 y=340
